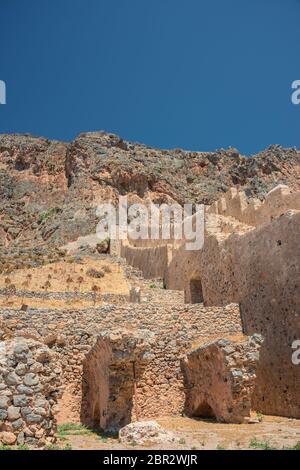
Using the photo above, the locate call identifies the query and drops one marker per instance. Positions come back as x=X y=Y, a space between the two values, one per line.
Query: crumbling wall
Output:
x=259 y=268
x=220 y=379
x=30 y=379
x=174 y=330
x=111 y=372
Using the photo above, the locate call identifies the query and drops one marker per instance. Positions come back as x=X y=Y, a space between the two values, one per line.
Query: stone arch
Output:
x=203 y=410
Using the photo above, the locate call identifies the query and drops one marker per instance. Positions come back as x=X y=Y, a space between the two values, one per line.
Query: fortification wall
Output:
x=260 y=270
x=153 y=262
x=253 y=211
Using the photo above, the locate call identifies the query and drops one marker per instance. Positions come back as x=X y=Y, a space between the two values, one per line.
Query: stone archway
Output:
x=203 y=410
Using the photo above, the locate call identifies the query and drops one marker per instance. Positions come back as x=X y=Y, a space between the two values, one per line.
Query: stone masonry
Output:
x=220 y=379
x=119 y=362
x=29 y=389
x=77 y=337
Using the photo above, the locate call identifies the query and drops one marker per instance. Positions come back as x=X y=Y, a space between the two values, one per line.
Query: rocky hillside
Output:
x=49 y=190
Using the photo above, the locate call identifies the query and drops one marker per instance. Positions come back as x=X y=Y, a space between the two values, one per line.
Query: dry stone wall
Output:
x=30 y=380
x=173 y=331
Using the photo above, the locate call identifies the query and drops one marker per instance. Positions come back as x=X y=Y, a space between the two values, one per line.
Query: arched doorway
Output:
x=204 y=410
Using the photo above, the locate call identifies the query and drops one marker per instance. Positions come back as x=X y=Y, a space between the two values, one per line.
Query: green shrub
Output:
x=48 y=213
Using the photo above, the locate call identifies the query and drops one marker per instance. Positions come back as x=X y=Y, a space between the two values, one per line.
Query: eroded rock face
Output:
x=30 y=379
x=49 y=190
x=145 y=433
x=220 y=379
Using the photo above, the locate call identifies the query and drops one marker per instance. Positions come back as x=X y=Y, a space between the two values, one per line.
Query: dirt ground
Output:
x=64 y=277
x=190 y=434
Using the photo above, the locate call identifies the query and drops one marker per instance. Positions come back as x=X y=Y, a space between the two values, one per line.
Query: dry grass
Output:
x=64 y=277
x=209 y=339
x=75 y=304
x=197 y=434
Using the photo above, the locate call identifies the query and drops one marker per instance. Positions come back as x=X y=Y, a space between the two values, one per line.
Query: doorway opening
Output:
x=196 y=291
x=203 y=411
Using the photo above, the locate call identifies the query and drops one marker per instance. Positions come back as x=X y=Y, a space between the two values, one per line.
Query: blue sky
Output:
x=194 y=74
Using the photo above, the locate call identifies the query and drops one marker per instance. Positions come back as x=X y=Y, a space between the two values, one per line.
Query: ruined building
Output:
x=207 y=333
x=251 y=257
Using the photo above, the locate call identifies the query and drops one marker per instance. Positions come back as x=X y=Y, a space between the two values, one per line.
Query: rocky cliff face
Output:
x=49 y=190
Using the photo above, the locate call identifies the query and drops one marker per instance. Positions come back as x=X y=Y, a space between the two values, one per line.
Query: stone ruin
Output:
x=220 y=379
x=111 y=372
x=222 y=353
x=251 y=257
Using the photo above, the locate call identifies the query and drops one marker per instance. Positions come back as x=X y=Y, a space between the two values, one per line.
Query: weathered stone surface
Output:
x=3 y=415
x=13 y=413
x=4 y=402
x=145 y=433
x=20 y=400
x=34 y=405
x=220 y=379
x=7 y=438
x=12 y=379
x=31 y=379
x=111 y=370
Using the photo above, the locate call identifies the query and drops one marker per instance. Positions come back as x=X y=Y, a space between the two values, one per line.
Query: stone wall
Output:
x=111 y=373
x=220 y=379
x=258 y=268
x=30 y=379
x=152 y=261
x=173 y=331
x=253 y=211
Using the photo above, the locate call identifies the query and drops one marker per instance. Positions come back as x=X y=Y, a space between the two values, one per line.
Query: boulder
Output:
x=145 y=433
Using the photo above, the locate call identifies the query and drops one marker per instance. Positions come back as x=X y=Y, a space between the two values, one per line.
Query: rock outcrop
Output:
x=49 y=190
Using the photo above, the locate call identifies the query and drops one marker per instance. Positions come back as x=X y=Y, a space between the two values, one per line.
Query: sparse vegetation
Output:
x=133 y=443
x=17 y=447
x=57 y=447
x=263 y=445
x=48 y=213
x=107 y=269
x=95 y=273
x=72 y=429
